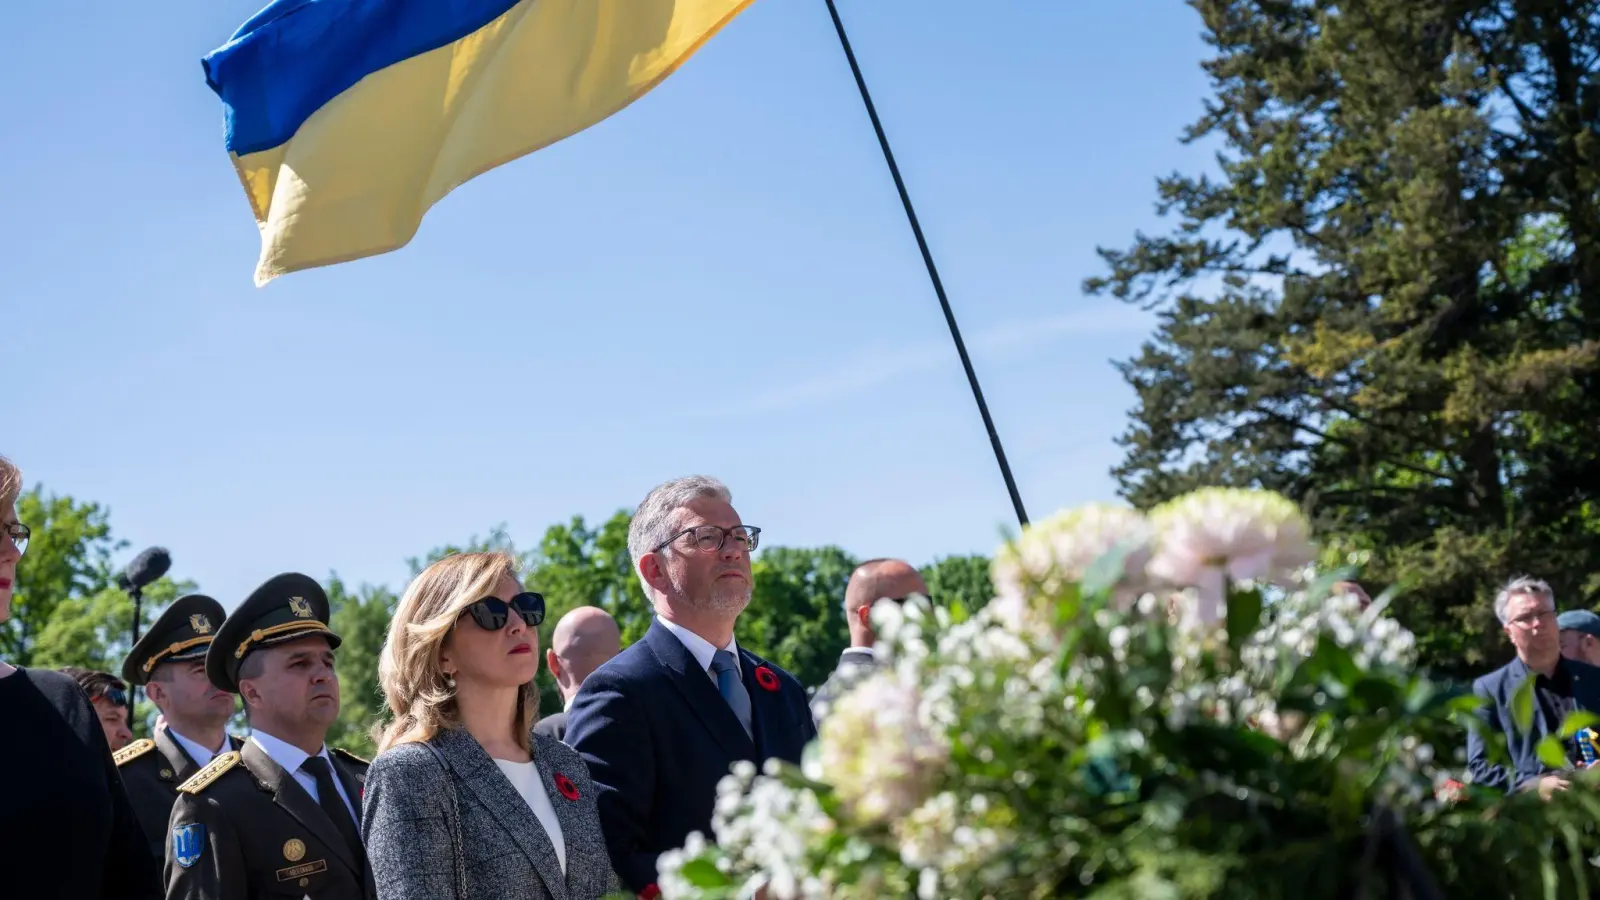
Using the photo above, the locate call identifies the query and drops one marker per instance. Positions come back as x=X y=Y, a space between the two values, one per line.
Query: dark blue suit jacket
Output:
x=657 y=737
x=1498 y=687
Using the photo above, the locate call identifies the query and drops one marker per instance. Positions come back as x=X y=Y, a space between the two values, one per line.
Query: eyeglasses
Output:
x=491 y=612
x=711 y=538
x=1526 y=620
x=19 y=534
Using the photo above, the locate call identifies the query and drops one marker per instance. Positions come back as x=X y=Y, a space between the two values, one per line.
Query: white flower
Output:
x=877 y=751
x=1060 y=550
x=1249 y=535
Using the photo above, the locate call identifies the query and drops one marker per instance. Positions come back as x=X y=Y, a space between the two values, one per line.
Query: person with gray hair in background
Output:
x=1526 y=608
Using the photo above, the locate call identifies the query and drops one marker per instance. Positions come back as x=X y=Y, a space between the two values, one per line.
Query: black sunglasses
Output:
x=116 y=696
x=491 y=612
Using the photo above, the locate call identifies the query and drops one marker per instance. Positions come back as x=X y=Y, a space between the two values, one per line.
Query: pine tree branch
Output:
x=1346 y=442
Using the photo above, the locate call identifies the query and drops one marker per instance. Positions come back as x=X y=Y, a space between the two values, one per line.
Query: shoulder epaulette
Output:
x=213 y=770
x=133 y=751
x=350 y=756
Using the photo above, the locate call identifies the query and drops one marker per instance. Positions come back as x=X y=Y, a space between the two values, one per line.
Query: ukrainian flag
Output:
x=348 y=119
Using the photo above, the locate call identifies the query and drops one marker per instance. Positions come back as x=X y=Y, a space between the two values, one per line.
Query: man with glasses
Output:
x=873 y=580
x=663 y=721
x=1526 y=609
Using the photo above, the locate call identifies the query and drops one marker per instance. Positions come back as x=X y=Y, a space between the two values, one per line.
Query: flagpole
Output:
x=933 y=272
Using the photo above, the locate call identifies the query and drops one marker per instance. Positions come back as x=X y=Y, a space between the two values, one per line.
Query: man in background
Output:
x=109 y=696
x=1526 y=608
x=1580 y=635
x=873 y=580
x=170 y=663
x=582 y=641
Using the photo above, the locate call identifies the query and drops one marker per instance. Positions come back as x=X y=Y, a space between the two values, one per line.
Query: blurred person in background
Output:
x=583 y=640
x=1580 y=635
x=109 y=695
x=65 y=820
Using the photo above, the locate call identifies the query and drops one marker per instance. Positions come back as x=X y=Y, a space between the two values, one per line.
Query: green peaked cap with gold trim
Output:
x=286 y=608
x=182 y=632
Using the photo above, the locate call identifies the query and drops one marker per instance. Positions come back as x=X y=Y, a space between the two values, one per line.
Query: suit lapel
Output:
x=766 y=707
x=351 y=784
x=566 y=810
x=483 y=778
x=183 y=765
x=294 y=800
x=700 y=693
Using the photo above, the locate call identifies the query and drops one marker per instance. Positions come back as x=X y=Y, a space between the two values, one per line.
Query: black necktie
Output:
x=328 y=798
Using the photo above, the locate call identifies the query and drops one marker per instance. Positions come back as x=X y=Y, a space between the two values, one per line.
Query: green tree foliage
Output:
x=69 y=557
x=960 y=578
x=796 y=616
x=361 y=619
x=96 y=631
x=1385 y=301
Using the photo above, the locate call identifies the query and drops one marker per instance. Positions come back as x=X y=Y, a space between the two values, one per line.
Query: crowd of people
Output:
x=471 y=793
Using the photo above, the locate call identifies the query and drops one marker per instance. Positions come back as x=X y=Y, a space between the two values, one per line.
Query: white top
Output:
x=291 y=757
x=525 y=778
x=199 y=754
x=701 y=649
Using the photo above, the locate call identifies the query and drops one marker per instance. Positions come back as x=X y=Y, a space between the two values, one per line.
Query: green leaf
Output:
x=1244 y=615
x=704 y=873
x=1577 y=720
x=1552 y=752
x=1108 y=571
x=1522 y=706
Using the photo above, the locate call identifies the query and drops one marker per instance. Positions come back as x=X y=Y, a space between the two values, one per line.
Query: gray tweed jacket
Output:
x=410 y=827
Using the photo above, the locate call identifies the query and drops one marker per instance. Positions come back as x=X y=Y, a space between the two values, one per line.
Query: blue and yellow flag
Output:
x=348 y=119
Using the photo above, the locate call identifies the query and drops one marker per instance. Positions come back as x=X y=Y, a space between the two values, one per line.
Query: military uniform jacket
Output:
x=243 y=828
x=151 y=772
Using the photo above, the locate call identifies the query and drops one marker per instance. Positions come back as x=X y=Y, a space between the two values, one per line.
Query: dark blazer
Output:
x=151 y=770
x=244 y=828
x=552 y=726
x=1498 y=687
x=658 y=737
x=409 y=825
x=856 y=664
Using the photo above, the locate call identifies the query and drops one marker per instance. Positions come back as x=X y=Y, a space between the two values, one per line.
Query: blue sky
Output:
x=719 y=279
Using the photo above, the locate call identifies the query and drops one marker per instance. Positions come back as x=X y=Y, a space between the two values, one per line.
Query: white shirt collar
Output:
x=287 y=755
x=701 y=649
x=196 y=752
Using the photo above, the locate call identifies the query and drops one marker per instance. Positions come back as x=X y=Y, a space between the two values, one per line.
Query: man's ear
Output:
x=156 y=692
x=864 y=616
x=248 y=692
x=651 y=570
x=553 y=663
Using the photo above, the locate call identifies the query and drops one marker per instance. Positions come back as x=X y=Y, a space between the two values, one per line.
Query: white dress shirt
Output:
x=291 y=757
x=701 y=649
x=525 y=778
x=199 y=754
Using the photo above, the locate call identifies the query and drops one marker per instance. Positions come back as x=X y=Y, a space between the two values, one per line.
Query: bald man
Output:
x=873 y=580
x=583 y=640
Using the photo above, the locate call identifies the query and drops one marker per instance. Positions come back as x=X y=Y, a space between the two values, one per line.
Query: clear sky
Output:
x=718 y=279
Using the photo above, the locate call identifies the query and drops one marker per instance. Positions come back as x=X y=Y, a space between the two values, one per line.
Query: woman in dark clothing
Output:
x=67 y=831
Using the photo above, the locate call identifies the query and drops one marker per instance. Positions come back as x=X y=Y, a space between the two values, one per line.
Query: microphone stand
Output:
x=137 y=593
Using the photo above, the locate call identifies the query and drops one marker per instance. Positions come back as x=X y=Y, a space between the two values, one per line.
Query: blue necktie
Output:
x=732 y=688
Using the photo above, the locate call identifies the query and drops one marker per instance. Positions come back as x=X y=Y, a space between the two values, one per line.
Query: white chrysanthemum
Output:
x=1058 y=551
x=877 y=750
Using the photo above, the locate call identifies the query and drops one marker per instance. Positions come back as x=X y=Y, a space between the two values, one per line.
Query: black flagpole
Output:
x=933 y=273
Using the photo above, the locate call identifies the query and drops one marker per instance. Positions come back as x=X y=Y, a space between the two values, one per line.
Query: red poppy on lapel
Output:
x=650 y=892
x=766 y=679
x=566 y=787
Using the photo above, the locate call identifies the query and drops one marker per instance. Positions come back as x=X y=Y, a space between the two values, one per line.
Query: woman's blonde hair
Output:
x=10 y=482
x=421 y=701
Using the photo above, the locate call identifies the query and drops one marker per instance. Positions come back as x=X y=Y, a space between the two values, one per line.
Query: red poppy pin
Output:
x=566 y=787
x=766 y=678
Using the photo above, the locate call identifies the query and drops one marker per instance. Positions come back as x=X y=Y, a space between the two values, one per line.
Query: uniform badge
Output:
x=300 y=607
x=188 y=842
x=294 y=850
x=200 y=623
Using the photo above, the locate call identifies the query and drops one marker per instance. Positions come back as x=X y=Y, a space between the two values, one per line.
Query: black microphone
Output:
x=145 y=569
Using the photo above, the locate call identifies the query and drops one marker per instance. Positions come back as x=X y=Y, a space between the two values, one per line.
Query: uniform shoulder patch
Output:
x=350 y=756
x=213 y=770
x=133 y=751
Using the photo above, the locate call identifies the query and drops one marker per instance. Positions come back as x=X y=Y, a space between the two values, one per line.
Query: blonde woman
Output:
x=464 y=801
x=65 y=819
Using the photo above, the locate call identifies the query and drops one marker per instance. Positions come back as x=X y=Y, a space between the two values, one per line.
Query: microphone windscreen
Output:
x=146 y=568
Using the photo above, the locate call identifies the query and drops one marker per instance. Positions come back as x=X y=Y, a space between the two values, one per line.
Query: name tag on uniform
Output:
x=302 y=870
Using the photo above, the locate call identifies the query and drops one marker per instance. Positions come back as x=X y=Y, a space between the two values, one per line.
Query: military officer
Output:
x=281 y=816
x=170 y=663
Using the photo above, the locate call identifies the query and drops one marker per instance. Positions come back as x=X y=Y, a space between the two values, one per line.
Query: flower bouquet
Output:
x=1161 y=706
